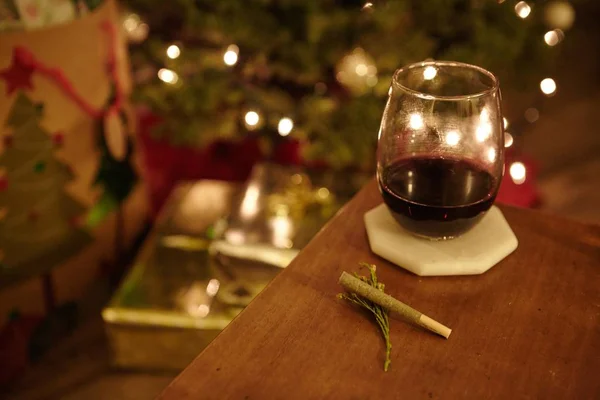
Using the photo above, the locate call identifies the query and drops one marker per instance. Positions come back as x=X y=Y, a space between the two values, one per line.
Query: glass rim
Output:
x=428 y=96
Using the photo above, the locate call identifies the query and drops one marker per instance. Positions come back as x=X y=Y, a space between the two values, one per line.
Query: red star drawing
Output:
x=18 y=74
x=58 y=138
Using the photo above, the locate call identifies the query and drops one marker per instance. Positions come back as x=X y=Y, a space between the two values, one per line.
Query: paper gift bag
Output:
x=63 y=94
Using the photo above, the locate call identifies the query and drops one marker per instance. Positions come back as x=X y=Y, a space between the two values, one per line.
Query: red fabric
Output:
x=287 y=152
x=165 y=164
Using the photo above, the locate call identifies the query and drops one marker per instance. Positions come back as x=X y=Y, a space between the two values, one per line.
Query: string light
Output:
x=554 y=37
x=368 y=6
x=429 y=73
x=559 y=14
x=231 y=55
x=323 y=193
x=522 y=9
x=139 y=34
x=135 y=30
x=505 y=122
x=168 y=76
x=131 y=22
x=173 y=51
x=361 y=69
x=252 y=119
x=548 y=86
x=518 y=173
x=508 y=139
x=532 y=114
x=285 y=126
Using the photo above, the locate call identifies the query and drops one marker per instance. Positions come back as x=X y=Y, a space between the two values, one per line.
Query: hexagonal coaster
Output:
x=474 y=252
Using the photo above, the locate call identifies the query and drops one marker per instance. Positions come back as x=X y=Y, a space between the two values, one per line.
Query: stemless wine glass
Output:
x=440 y=149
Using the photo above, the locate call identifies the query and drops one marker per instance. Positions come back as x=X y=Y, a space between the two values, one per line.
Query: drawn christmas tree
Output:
x=39 y=228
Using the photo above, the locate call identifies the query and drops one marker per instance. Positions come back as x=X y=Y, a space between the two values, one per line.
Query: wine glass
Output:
x=440 y=152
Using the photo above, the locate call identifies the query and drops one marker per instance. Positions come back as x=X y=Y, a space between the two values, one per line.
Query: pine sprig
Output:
x=379 y=313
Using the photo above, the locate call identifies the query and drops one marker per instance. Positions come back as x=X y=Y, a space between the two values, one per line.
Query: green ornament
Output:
x=210 y=233
x=39 y=167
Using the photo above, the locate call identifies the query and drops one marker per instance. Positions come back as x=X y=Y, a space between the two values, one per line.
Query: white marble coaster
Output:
x=474 y=252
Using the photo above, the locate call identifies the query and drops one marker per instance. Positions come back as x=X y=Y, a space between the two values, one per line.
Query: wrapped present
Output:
x=215 y=246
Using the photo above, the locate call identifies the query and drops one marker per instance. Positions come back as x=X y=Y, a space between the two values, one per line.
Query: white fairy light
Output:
x=518 y=172
x=252 y=118
x=522 y=9
x=508 y=139
x=231 y=55
x=173 y=51
x=548 y=86
x=554 y=37
x=285 y=126
x=131 y=22
x=361 y=69
x=168 y=76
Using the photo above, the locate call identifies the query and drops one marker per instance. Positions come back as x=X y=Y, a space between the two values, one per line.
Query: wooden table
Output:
x=527 y=328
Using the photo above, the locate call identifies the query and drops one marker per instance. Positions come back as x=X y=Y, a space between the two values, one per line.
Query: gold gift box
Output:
x=214 y=247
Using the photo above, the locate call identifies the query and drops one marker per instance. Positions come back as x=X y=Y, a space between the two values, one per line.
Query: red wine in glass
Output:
x=437 y=197
x=440 y=147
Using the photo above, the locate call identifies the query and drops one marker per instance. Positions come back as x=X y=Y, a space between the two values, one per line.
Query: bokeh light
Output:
x=285 y=126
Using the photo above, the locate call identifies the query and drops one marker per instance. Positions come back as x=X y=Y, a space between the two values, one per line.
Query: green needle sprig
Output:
x=380 y=314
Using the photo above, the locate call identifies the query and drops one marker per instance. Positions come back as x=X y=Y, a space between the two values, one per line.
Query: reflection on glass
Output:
x=282 y=228
x=429 y=73
x=235 y=236
x=213 y=287
x=196 y=300
x=440 y=148
x=491 y=155
x=452 y=138
x=250 y=203
x=415 y=121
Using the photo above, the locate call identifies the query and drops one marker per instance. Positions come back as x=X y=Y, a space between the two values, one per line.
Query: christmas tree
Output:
x=39 y=228
x=315 y=72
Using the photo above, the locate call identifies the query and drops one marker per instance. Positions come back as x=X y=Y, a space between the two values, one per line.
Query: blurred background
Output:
x=161 y=161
